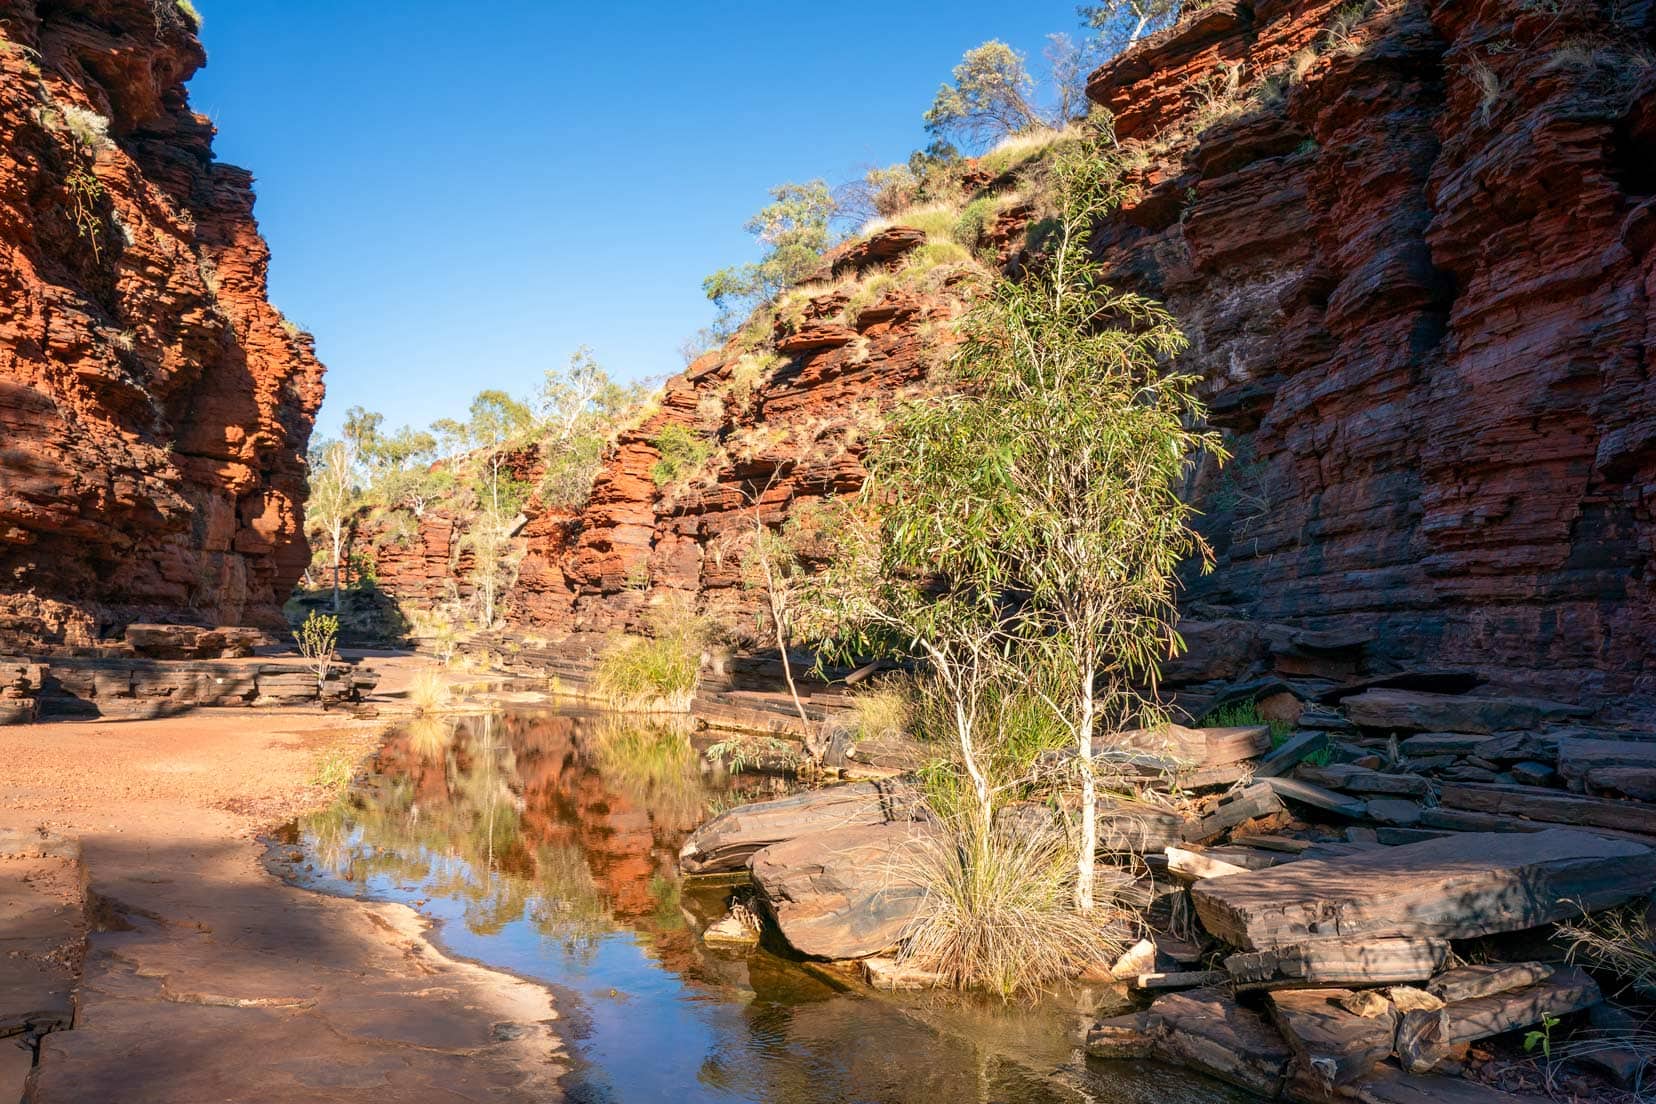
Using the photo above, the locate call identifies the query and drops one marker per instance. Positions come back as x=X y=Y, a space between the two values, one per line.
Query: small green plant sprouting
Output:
x=334 y=771
x=1246 y=715
x=189 y=12
x=1542 y=1038
x=316 y=639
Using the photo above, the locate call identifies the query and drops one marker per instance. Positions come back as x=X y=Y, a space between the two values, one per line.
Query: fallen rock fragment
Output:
x=1425 y=1038
x=1121 y=1037
x=1468 y=982
x=1336 y=1045
x=1329 y=963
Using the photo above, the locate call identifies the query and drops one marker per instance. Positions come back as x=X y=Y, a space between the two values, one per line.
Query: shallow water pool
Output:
x=545 y=843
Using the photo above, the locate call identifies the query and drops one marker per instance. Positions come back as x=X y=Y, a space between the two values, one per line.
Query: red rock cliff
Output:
x=1412 y=244
x=154 y=407
x=1418 y=279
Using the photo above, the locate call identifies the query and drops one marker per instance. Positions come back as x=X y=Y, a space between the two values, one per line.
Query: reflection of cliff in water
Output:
x=570 y=822
x=547 y=845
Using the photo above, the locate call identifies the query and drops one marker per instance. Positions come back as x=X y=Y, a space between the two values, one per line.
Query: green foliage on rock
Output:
x=794 y=229
x=682 y=452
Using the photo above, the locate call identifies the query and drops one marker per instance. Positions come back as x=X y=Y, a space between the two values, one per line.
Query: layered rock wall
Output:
x=154 y=407
x=1418 y=279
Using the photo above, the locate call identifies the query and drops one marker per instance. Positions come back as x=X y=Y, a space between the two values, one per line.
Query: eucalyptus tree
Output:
x=332 y=477
x=1094 y=433
x=1024 y=528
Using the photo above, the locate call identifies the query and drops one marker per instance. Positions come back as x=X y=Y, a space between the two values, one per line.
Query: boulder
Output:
x=1210 y=1032
x=846 y=893
x=730 y=840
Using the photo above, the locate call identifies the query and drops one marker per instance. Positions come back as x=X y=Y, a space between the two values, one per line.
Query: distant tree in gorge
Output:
x=580 y=408
x=333 y=498
x=497 y=421
x=1069 y=63
x=452 y=441
x=794 y=227
x=993 y=96
x=1117 y=24
x=404 y=449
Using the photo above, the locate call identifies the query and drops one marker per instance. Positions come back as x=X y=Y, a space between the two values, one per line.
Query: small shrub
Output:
x=682 y=452
x=89 y=130
x=1488 y=86
x=1245 y=715
x=189 y=12
x=999 y=911
x=884 y=710
x=746 y=752
x=86 y=192
x=974 y=217
x=316 y=639
x=334 y=771
x=923 y=262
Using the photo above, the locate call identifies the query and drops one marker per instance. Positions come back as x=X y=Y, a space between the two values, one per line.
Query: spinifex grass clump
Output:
x=428 y=691
x=1000 y=909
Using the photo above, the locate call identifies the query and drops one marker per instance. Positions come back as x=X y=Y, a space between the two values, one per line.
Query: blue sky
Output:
x=459 y=195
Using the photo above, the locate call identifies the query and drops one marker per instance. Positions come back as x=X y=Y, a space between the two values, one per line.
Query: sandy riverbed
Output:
x=208 y=979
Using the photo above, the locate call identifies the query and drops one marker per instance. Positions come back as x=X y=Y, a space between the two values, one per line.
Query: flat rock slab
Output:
x=1456 y=887
x=1318 y=797
x=1418 y=711
x=1210 y=1032
x=1337 y=1046
x=42 y=933
x=1361 y=780
x=1388 y=1085
x=1288 y=756
x=729 y=841
x=1550 y=806
x=1337 y=962
x=843 y=894
x=1579 y=754
x=1200 y=747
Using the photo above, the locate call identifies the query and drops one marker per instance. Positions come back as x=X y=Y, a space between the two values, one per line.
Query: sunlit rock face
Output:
x=154 y=406
x=1417 y=274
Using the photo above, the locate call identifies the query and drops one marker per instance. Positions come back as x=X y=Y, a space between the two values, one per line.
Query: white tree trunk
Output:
x=1089 y=800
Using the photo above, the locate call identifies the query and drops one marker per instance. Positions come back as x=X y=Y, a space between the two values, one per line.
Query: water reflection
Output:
x=546 y=844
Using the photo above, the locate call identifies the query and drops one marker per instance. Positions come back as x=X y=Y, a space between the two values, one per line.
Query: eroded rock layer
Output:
x=1412 y=245
x=154 y=407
